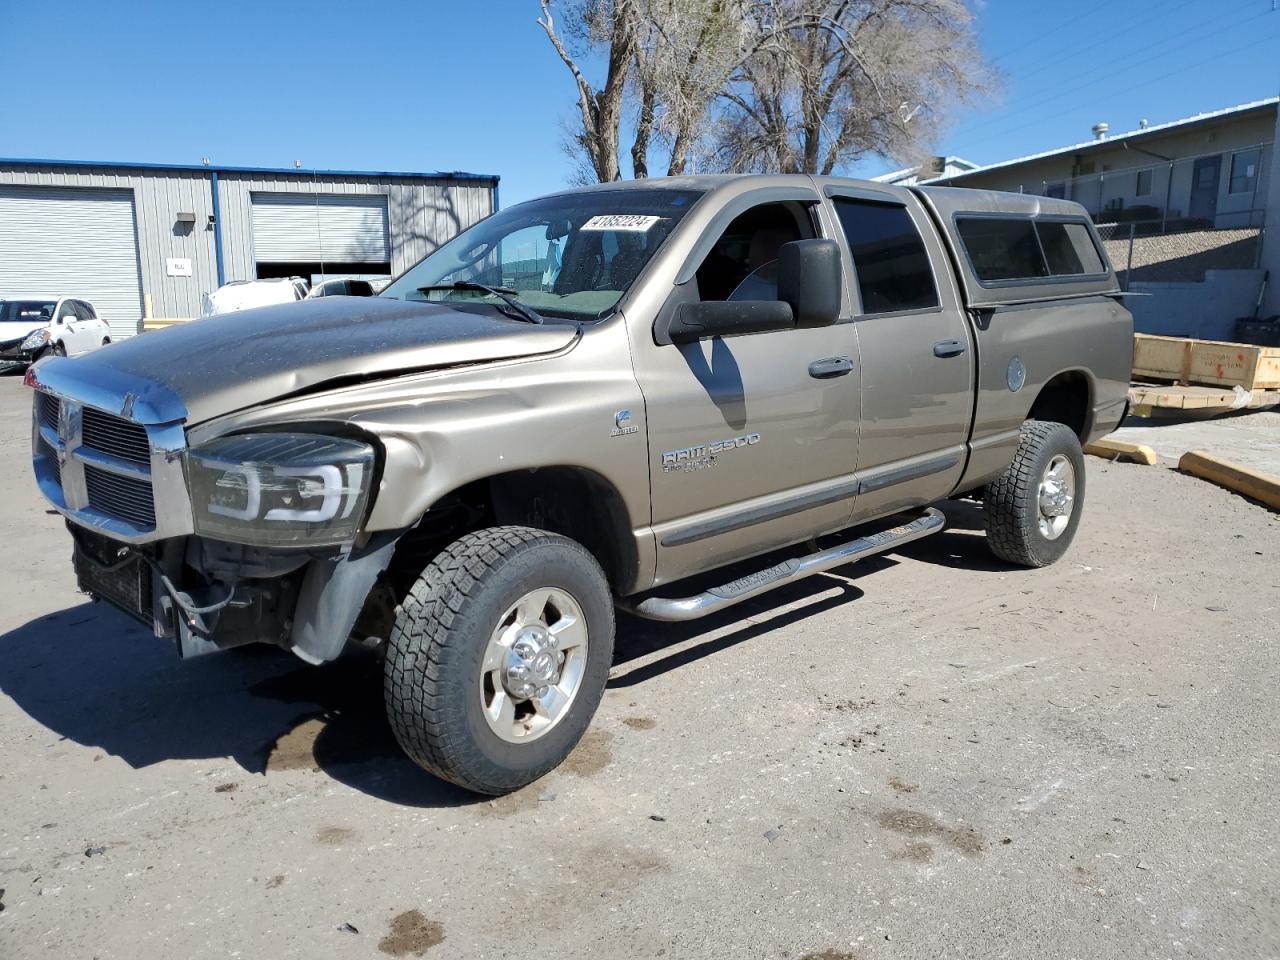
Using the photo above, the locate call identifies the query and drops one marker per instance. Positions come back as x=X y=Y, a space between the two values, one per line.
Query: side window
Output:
x=743 y=264
x=1002 y=249
x=1244 y=171
x=67 y=311
x=1068 y=248
x=1019 y=248
x=84 y=310
x=888 y=255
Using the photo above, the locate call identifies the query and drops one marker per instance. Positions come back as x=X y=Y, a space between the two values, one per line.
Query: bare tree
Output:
x=845 y=78
x=772 y=85
x=610 y=23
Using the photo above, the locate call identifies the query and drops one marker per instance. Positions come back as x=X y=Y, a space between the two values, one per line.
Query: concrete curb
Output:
x=1255 y=484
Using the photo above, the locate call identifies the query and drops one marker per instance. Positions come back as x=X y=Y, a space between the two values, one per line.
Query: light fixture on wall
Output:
x=185 y=218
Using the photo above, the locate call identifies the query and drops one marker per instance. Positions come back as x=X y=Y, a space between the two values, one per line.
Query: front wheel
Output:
x=1033 y=510
x=499 y=657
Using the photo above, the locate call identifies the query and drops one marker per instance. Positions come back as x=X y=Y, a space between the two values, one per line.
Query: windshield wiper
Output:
x=505 y=294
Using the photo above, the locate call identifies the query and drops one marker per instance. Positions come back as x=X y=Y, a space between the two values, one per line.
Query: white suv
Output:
x=31 y=327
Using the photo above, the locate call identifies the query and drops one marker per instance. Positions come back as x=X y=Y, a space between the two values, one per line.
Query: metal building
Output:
x=142 y=240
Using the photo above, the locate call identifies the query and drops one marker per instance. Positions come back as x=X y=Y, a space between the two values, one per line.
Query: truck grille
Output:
x=116 y=437
x=100 y=463
x=118 y=496
x=49 y=407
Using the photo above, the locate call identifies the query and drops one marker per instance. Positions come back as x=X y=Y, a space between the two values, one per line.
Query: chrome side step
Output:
x=788 y=571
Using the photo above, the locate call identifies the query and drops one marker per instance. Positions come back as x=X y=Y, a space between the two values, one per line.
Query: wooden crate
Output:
x=1205 y=361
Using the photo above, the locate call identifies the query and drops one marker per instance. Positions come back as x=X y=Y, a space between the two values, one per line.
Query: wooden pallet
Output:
x=1205 y=362
x=1147 y=398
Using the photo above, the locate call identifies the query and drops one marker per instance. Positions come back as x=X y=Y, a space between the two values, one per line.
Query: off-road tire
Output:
x=1011 y=503
x=442 y=627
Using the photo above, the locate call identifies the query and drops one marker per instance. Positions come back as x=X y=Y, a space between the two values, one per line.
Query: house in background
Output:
x=1182 y=208
x=931 y=168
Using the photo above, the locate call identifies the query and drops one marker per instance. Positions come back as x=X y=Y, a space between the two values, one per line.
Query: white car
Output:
x=32 y=327
x=246 y=294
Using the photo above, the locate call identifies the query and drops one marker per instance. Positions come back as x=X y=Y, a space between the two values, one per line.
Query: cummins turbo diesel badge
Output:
x=703 y=455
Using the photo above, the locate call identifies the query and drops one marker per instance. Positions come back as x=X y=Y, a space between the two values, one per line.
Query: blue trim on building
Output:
x=492 y=178
x=217 y=226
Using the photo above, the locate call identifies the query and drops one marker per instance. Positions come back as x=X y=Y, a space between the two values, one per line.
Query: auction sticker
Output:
x=627 y=222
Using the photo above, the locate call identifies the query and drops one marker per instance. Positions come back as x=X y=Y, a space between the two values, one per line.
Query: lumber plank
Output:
x=1110 y=449
x=1263 y=487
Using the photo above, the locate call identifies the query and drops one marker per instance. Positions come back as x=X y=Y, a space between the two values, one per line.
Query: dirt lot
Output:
x=928 y=756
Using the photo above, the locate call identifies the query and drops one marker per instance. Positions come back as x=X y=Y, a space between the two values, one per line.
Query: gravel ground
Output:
x=928 y=755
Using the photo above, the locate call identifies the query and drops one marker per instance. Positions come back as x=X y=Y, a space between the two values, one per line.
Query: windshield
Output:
x=26 y=311
x=571 y=256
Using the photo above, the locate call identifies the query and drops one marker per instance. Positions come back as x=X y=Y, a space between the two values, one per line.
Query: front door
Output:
x=1204 y=188
x=915 y=354
x=68 y=328
x=751 y=445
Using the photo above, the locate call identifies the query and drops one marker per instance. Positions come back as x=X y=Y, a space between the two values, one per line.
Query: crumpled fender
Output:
x=332 y=596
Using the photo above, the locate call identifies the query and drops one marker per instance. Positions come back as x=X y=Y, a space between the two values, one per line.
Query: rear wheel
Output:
x=499 y=657
x=1032 y=511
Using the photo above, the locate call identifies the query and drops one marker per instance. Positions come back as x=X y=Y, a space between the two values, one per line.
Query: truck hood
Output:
x=210 y=367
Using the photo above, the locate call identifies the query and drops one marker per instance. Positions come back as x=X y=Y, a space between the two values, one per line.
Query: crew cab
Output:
x=593 y=400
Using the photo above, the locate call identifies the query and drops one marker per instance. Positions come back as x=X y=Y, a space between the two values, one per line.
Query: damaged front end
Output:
x=251 y=538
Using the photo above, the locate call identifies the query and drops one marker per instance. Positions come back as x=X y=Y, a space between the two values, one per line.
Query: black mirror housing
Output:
x=728 y=318
x=810 y=281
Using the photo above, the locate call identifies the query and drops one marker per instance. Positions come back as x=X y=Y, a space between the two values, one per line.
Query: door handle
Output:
x=948 y=348
x=829 y=367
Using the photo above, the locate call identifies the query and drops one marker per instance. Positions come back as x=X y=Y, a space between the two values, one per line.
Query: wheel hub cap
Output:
x=533 y=663
x=1057 y=497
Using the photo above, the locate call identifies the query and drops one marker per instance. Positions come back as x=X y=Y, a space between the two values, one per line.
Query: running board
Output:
x=788 y=571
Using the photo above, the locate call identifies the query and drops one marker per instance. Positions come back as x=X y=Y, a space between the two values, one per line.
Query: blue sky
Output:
x=430 y=85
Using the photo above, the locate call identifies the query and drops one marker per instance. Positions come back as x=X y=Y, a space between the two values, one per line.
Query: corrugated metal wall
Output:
x=423 y=213
x=157 y=201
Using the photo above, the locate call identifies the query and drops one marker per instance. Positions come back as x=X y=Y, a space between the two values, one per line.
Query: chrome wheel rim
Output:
x=533 y=665
x=1057 y=497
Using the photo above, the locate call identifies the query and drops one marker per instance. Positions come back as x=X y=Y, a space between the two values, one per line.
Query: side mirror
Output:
x=809 y=279
x=727 y=318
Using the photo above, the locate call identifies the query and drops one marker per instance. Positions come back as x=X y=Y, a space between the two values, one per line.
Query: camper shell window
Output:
x=1017 y=250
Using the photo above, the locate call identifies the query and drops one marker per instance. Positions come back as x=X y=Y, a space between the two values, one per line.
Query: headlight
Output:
x=35 y=339
x=280 y=489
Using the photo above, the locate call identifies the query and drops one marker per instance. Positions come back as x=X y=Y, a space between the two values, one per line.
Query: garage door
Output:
x=305 y=228
x=78 y=243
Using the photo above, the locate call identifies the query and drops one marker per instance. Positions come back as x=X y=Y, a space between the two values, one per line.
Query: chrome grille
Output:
x=119 y=496
x=116 y=437
x=52 y=454
x=49 y=407
x=119 y=476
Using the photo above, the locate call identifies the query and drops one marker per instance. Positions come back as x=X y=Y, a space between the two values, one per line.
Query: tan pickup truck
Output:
x=594 y=399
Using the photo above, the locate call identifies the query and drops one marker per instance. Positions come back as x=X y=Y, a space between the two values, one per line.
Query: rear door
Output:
x=914 y=351
x=1017 y=256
